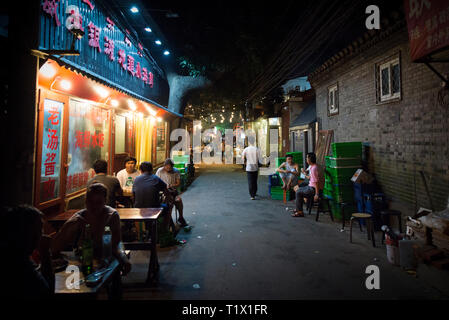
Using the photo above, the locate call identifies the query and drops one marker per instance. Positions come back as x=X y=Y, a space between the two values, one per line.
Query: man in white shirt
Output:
x=251 y=155
x=127 y=175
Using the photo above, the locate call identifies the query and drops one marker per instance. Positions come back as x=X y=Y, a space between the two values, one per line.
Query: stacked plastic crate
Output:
x=340 y=167
x=181 y=163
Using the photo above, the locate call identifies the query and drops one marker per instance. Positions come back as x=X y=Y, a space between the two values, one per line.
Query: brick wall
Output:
x=404 y=136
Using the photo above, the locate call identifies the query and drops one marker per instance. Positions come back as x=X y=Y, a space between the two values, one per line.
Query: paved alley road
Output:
x=244 y=249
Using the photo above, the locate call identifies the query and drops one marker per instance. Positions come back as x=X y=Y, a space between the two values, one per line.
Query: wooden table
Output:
x=148 y=215
x=112 y=276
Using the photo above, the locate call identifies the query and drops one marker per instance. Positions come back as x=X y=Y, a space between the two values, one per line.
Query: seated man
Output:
x=98 y=215
x=288 y=171
x=21 y=234
x=112 y=184
x=316 y=183
x=126 y=176
x=146 y=190
x=170 y=175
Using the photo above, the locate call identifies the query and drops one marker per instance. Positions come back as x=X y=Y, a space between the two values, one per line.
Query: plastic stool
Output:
x=369 y=225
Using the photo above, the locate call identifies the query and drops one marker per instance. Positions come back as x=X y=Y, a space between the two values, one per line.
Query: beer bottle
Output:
x=107 y=244
x=87 y=252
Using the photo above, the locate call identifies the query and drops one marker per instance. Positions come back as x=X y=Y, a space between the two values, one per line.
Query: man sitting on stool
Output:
x=316 y=183
x=288 y=171
x=170 y=175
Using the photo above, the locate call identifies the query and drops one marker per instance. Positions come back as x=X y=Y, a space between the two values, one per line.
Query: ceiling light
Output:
x=158 y=42
x=114 y=103
x=134 y=10
x=159 y=119
x=166 y=52
x=151 y=111
x=148 y=29
x=102 y=92
x=66 y=84
x=47 y=70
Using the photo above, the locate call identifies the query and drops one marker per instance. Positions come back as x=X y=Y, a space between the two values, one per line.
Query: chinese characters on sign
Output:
x=74 y=22
x=78 y=180
x=428 y=26
x=87 y=140
x=51 y=145
x=51 y=7
x=94 y=36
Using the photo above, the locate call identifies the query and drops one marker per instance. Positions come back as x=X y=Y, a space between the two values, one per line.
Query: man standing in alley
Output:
x=251 y=155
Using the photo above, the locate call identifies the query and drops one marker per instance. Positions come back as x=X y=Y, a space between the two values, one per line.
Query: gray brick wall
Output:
x=404 y=136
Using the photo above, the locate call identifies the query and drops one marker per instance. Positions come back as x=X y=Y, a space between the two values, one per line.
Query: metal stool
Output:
x=369 y=225
x=385 y=216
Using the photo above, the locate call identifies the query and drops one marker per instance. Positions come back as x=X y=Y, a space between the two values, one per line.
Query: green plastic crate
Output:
x=339 y=175
x=346 y=149
x=280 y=196
x=297 y=157
x=181 y=159
x=340 y=194
x=337 y=211
x=332 y=162
x=180 y=165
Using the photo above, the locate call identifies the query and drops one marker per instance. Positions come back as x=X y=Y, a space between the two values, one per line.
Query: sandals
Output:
x=298 y=214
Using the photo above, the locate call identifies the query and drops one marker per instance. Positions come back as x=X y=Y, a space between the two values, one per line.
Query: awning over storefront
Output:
x=90 y=74
x=306 y=117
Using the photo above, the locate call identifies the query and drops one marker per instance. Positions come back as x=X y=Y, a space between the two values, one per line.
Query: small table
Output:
x=112 y=276
x=149 y=215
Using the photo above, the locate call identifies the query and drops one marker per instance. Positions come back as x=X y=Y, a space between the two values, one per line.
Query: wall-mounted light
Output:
x=134 y=10
x=132 y=105
x=148 y=29
x=159 y=119
x=47 y=70
x=166 y=53
x=158 y=42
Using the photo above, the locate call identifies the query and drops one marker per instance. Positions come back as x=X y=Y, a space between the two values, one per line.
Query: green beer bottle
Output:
x=87 y=252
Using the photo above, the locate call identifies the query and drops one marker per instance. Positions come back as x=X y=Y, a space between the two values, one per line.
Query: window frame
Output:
x=388 y=64
x=334 y=90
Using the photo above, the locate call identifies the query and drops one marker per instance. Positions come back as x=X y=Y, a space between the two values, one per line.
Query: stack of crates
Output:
x=181 y=163
x=277 y=193
x=346 y=159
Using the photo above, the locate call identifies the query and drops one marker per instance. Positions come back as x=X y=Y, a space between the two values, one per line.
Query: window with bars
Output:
x=332 y=100
x=388 y=80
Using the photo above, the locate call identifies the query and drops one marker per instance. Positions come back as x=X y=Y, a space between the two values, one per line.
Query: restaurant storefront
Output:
x=104 y=102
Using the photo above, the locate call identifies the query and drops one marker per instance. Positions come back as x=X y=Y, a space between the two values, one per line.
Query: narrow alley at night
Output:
x=225 y=158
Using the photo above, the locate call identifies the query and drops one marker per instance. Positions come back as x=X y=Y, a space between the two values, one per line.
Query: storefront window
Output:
x=51 y=151
x=160 y=142
x=88 y=141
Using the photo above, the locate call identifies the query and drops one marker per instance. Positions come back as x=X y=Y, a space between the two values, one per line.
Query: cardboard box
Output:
x=361 y=176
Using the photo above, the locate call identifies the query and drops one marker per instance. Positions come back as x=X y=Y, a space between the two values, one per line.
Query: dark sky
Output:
x=236 y=37
x=223 y=30
x=241 y=38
